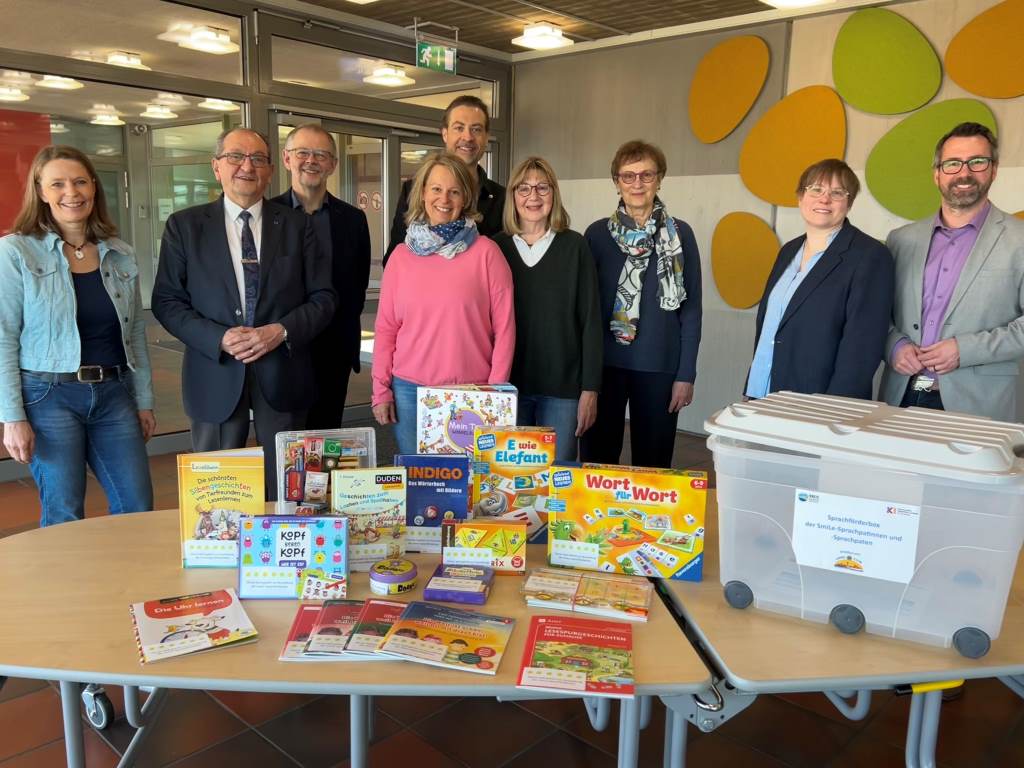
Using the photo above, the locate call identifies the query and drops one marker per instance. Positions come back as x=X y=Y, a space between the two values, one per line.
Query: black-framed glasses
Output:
x=628 y=177
x=320 y=155
x=525 y=190
x=976 y=164
x=816 y=190
x=258 y=159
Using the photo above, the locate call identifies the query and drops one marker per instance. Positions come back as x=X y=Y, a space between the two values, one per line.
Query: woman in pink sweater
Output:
x=446 y=313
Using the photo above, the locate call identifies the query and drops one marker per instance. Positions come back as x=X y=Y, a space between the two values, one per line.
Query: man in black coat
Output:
x=464 y=129
x=311 y=156
x=243 y=283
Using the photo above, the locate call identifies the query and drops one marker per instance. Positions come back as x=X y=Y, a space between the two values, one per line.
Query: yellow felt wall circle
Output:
x=743 y=250
x=725 y=86
x=986 y=57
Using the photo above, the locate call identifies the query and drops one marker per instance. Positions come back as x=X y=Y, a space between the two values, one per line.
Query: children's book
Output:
x=333 y=627
x=585 y=656
x=305 y=460
x=628 y=520
x=449 y=637
x=599 y=594
x=214 y=490
x=498 y=544
x=511 y=471
x=292 y=557
x=376 y=618
x=373 y=501
x=446 y=417
x=459 y=584
x=176 y=626
x=436 y=489
x=302 y=627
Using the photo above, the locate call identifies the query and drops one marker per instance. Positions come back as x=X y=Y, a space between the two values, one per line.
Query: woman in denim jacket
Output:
x=75 y=383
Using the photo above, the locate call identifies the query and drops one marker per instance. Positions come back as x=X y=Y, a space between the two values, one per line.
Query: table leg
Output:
x=675 y=739
x=923 y=729
x=1014 y=683
x=599 y=710
x=645 y=712
x=70 y=695
x=369 y=718
x=358 y=730
x=629 y=733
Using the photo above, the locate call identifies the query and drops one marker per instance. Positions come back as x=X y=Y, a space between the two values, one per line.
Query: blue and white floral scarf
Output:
x=447 y=240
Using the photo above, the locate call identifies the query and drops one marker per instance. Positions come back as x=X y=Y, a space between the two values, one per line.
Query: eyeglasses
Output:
x=628 y=177
x=953 y=166
x=321 y=155
x=524 y=189
x=258 y=160
x=816 y=190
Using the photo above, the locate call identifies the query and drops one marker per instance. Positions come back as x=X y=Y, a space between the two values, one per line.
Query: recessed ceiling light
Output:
x=59 y=128
x=198 y=37
x=59 y=83
x=12 y=93
x=542 y=37
x=361 y=2
x=83 y=55
x=220 y=105
x=13 y=77
x=126 y=59
x=389 y=76
x=106 y=118
x=158 y=112
x=785 y=4
x=171 y=100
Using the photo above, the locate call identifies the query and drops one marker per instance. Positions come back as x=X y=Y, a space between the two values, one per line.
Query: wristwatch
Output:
x=285 y=337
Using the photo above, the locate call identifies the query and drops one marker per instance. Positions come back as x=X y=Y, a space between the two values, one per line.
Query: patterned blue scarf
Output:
x=447 y=240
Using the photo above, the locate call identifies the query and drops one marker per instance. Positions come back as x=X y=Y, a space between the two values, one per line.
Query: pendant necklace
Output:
x=77 y=249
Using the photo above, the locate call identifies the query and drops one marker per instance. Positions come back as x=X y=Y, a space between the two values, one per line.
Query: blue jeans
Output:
x=75 y=424
x=557 y=412
x=405 y=411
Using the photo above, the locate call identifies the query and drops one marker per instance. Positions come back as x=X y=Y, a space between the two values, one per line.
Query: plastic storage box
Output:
x=907 y=522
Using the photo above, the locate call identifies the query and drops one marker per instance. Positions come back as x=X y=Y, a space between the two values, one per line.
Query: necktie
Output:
x=250 y=269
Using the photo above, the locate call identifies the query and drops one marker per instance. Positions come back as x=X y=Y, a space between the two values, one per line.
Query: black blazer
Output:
x=350 y=275
x=195 y=297
x=832 y=335
x=490 y=205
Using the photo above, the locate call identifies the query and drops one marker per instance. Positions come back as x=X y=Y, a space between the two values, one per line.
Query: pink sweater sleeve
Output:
x=385 y=330
x=503 y=315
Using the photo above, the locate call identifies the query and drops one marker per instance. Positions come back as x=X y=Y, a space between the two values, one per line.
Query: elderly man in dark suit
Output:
x=243 y=283
x=311 y=156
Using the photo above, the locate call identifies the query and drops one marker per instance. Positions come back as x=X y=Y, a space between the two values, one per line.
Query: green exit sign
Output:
x=440 y=58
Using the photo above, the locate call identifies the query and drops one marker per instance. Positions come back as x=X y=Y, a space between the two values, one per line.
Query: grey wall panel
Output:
x=576 y=110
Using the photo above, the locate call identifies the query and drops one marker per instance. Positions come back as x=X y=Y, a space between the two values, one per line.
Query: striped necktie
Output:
x=250 y=269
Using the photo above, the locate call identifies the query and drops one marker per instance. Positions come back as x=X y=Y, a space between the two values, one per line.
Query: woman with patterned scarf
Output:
x=446 y=313
x=648 y=271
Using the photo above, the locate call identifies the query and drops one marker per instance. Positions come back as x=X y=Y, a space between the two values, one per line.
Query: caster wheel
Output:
x=971 y=642
x=847 y=619
x=738 y=594
x=99 y=709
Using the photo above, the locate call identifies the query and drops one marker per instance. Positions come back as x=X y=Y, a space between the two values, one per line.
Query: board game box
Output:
x=446 y=417
x=290 y=557
x=499 y=544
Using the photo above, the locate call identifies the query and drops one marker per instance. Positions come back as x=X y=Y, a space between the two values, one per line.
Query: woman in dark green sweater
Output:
x=557 y=364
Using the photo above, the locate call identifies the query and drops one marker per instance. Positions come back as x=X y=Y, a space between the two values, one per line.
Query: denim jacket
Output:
x=38 y=329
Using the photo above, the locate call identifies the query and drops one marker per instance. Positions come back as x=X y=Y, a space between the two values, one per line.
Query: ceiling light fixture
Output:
x=542 y=37
x=788 y=4
x=218 y=105
x=158 y=112
x=362 y=2
x=106 y=118
x=389 y=76
x=58 y=83
x=12 y=93
x=126 y=59
x=171 y=100
x=59 y=128
x=198 y=37
x=17 y=79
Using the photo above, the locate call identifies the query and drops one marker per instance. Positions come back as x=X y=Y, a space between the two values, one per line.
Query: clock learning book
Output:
x=446 y=417
x=436 y=489
x=214 y=490
x=373 y=501
x=176 y=626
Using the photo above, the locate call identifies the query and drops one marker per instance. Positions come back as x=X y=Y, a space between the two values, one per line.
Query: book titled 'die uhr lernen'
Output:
x=175 y=626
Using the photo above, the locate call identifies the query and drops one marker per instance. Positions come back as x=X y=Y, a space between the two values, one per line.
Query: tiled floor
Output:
x=984 y=728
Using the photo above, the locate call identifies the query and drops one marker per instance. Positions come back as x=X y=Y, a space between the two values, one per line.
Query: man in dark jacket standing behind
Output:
x=311 y=156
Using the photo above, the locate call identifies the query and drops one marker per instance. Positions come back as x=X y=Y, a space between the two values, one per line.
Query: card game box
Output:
x=498 y=544
x=447 y=417
x=292 y=557
x=511 y=471
x=630 y=520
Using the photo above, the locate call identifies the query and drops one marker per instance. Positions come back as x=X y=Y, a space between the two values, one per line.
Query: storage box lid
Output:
x=954 y=445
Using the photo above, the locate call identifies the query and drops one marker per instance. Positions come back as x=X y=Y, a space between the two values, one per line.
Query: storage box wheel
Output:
x=848 y=619
x=971 y=642
x=738 y=594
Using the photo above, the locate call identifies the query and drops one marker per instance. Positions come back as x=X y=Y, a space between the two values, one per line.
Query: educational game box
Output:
x=373 y=500
x=586 y=656
x=448 y=637
x=175 y=626
x=631 y=520
x=436 y=489
x=511 y=469
x=214 y=490
x=498 y=544
x=306 y=459
x=293 y=557
x=446 y=417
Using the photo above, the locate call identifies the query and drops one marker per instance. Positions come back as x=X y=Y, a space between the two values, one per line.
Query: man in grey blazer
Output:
x=958 y=318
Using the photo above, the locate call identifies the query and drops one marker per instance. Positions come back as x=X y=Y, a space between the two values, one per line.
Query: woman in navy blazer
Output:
x=825 y=313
